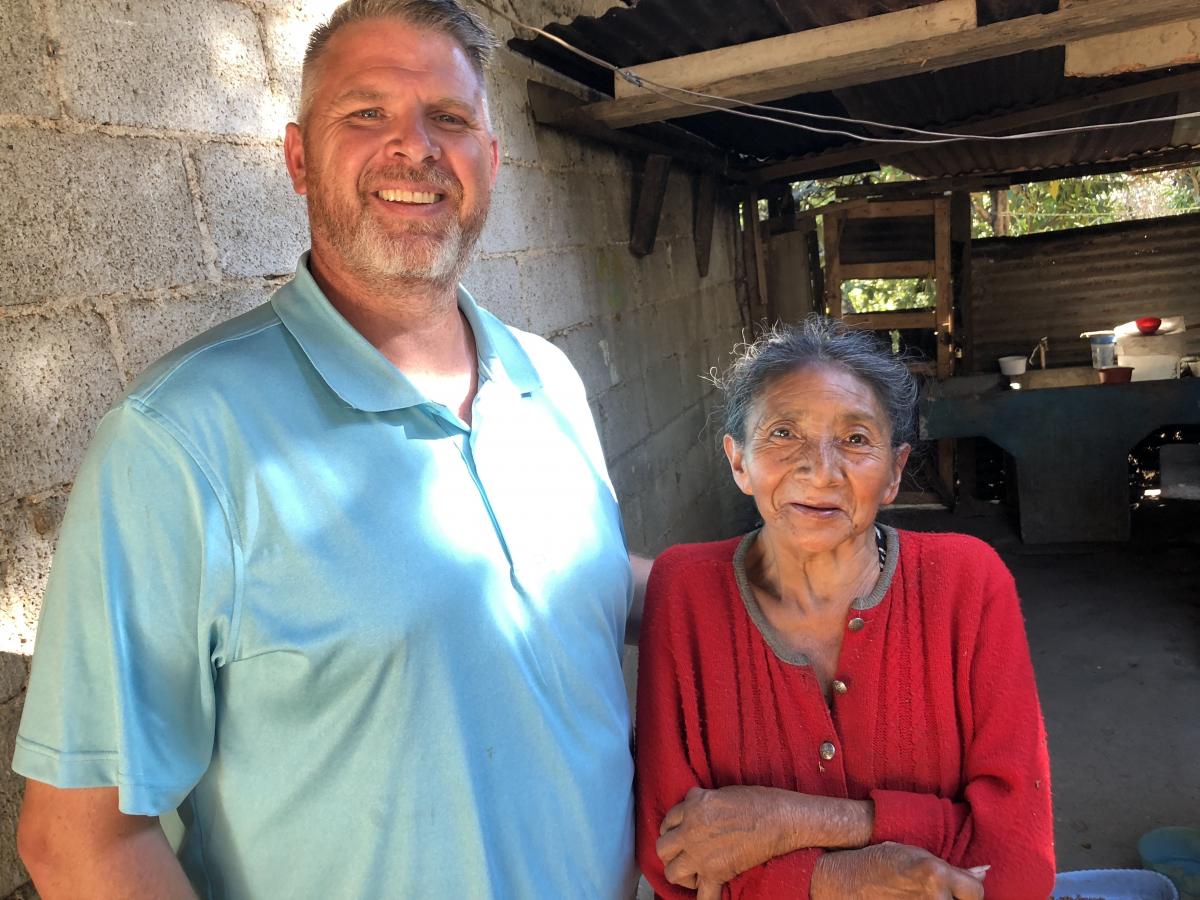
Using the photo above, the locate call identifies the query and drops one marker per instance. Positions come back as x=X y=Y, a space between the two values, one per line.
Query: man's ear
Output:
x=293 y=155
x=899 y=461
x=737 y=464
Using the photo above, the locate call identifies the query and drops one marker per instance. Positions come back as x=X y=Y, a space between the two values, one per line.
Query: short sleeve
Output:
x=134 y=622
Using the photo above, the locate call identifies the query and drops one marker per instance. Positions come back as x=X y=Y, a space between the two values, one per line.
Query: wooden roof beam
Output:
x=884 y=47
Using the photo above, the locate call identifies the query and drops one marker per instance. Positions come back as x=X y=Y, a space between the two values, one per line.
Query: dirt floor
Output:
x=1115 y=636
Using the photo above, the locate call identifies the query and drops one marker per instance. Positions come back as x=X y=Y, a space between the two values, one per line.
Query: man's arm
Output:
x=641 y=573
x=77 y=843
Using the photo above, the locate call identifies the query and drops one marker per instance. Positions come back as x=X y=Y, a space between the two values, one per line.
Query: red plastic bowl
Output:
x=1148 y=324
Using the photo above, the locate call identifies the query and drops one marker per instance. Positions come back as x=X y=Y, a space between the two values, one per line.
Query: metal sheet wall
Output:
x=1062 y=283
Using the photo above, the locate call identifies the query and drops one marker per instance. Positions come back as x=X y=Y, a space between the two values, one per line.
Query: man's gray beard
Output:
x=430 y=255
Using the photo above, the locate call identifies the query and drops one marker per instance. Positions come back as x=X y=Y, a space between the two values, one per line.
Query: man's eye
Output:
x=367 y=114
x=781 y=431
x=448 y=119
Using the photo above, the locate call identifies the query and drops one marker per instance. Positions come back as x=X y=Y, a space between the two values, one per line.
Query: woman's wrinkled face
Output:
x=817 y=458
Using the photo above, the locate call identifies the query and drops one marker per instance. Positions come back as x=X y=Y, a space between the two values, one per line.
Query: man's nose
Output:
x=410 y=140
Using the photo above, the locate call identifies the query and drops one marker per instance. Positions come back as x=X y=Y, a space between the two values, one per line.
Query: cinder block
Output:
x=632 y=521
x=614 y=279
x=623 y=420
x=558 y=289
x=258 y=223
x=151 y=328
x=663 y=392
x=570 y=216
x=57 y=378
x=694 y=375
x=518 y=219
x=90 y=214
x=676 y=220
x=12 y=788
x=656 y=275
x=167 y=64
x=25 y=80
x=495 y=285
x=520 y=138
x=28 y=532
x=590 y=351
x=287 y=26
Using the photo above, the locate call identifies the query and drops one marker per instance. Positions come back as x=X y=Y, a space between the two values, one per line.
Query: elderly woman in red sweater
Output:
x=827 y=707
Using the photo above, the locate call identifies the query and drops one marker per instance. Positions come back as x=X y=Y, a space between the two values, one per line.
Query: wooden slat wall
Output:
x=1062 y=283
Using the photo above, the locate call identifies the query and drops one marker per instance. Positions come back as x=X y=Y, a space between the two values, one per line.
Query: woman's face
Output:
x=817 y=458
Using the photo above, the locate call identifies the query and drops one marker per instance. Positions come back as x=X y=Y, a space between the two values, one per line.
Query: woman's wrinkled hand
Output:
x=714 y=835
x=892 y=871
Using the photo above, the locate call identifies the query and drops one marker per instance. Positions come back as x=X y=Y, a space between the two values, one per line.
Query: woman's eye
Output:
x=858 y=439
x=781 y=432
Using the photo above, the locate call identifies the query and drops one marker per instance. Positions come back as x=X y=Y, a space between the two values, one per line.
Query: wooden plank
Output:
x=649 y=204
x=890 y=209
x=758 y=245
x=943 y=289
x=555 y=108
x=702 y=221
x=696 y=70
x=897 y=60
x=1135 y=51
x=1009 y=122
x=909 y=268
x=887 y=321
x=832 y=226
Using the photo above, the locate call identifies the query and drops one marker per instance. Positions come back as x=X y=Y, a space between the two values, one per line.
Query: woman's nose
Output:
x=819 y=460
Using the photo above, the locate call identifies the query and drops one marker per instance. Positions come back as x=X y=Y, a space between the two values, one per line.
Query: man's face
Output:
x=396 y=157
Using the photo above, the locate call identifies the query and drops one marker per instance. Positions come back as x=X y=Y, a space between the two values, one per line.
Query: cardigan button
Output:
x=839 y=687
x=856 y=624
x=827 y=751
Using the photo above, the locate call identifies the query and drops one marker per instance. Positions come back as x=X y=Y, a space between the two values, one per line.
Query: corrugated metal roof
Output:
x=660 y=29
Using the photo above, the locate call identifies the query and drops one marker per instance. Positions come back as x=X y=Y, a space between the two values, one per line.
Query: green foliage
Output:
x=1079 y=202
x=811 y=194
x=887 y=294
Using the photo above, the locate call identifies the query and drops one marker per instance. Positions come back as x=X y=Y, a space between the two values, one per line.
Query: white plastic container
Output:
x=1012 y=365
x=1152 y=367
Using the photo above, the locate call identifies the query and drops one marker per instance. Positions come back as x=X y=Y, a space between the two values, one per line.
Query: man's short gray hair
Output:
x=819 y=340
x=447 y=16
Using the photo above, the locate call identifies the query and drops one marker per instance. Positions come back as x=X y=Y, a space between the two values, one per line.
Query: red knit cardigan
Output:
x=940 y=725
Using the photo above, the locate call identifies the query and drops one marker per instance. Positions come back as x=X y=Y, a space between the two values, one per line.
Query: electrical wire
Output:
x=718 y=103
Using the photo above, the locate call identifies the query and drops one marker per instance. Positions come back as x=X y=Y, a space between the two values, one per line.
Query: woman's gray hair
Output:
x=820 y=340
x=447 y=16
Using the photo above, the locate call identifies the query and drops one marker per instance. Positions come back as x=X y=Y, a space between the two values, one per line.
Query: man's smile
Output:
x=415 y=197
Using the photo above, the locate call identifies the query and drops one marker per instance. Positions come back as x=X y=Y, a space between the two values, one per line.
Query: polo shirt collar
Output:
x=362 y=376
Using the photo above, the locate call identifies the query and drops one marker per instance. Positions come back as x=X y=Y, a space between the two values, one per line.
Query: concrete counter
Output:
x=1071 y=446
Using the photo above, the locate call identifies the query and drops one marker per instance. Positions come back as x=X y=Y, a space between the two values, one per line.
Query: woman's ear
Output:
x=737 y=464
x=899 y=461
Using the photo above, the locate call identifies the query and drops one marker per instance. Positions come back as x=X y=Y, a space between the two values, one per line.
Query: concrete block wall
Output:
x=145 y=199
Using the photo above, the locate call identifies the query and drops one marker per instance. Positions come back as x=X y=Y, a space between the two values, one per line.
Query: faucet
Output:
x=1040 y=350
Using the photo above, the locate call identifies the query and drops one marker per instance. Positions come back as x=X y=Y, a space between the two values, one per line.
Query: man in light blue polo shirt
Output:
x=343 y=580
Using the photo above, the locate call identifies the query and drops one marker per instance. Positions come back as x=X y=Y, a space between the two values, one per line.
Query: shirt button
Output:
x=827 y=751
x=856 y=624
x=839 y=687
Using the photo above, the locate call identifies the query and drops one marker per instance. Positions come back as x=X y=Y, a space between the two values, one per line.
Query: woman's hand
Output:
x=715 y=835
x=893 y=872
